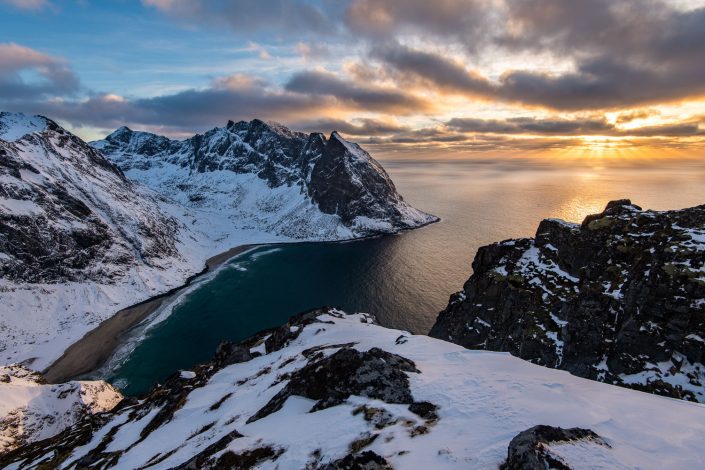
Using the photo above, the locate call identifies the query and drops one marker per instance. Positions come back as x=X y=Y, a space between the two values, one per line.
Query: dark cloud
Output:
x=441 y=71
x=565 y=127
x=235 y=97
x=465 y=21
x=49 y=76
x=359 y=127
x=364 y=96
x=188 y=110
x=526 y=125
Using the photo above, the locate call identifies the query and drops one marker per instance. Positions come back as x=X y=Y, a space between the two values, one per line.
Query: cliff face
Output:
x=69 y=214
x=619 y=299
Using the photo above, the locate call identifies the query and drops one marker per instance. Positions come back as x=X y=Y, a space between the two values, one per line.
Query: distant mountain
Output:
x=334 y=391
x=619 y=299
x=264 y=175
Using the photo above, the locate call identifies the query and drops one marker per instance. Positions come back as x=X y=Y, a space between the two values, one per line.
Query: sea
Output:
x=404 y=280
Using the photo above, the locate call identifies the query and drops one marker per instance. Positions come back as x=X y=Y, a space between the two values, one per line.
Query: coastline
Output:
x=95 y=347
x=91 y=352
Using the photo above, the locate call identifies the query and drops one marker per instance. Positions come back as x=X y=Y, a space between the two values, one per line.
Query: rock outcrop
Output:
x=619 y=298
x=530 y=449
x=32 y=410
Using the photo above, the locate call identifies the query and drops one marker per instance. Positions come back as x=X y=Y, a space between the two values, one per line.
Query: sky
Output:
x=569 y=79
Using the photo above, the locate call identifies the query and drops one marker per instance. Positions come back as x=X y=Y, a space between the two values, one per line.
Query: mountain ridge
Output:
x=352 y=191
x=81 y=239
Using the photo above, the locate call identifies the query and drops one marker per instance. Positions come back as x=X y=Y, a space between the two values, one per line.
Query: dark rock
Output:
x=331 y=380
x=528 y=449
x=367 y=460
x=425 y=409
x=621 y=294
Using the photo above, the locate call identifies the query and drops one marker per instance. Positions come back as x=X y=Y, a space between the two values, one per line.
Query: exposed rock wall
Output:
x=619 y=299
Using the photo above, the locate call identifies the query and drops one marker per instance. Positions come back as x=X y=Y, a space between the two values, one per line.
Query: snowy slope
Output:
x=31 y=410
x=266 y=176
x=419 y=403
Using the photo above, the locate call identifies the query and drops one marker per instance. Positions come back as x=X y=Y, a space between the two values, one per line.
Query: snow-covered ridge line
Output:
x=395 y=400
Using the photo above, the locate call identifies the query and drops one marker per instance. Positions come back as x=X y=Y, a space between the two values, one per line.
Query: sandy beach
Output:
x=96 y=347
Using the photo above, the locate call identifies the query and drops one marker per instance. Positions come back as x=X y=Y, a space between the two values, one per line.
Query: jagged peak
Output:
x=352 y=148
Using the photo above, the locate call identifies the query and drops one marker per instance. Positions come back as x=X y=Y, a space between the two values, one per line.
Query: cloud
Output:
x=233 y=97
x=358 y=127
x=391 y=100
x=237 y=97
x=465 y=21
x=572 y=127
x=528 y=125
x=29 y=74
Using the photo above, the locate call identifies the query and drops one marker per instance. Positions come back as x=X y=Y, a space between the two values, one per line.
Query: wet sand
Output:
x=96 y=347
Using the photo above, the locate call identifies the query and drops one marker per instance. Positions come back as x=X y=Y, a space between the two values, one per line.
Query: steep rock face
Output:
x=335 y=391
x=294 y=184
x=67 y=213
x=619 y=299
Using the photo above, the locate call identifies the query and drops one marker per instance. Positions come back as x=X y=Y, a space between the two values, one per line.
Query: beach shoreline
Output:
x=95 y=348
x=92 y=351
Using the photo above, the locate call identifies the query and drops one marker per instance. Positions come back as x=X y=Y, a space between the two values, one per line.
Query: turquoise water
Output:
x=403 y=279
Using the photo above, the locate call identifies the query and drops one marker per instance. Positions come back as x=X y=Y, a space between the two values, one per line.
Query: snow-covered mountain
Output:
x=619 y=298
x=31 y=410
x=80 y=240
x=266 y=176
x=332 y=391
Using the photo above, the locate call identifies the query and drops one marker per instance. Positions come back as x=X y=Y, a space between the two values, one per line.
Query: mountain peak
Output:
x=14 y=126
x=121 y=133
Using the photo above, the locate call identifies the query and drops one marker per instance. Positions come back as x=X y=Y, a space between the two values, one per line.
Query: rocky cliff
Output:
x=334 y=391
x=619 y=298
x=265 y=175
x=69 y=214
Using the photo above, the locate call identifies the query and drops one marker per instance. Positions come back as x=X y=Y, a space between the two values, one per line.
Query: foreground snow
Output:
x=31 y=410
x=483 y=400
